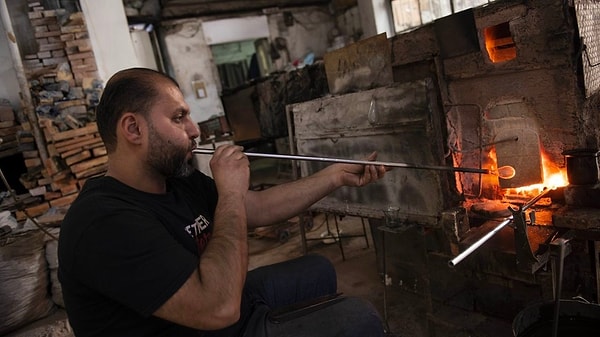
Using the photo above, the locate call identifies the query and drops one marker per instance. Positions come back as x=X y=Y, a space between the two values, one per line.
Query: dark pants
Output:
x=276 y=288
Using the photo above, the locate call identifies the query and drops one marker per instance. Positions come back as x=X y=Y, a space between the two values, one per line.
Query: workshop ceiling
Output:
x=190 y=8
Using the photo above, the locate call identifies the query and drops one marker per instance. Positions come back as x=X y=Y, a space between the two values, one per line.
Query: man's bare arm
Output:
x=211 y=297
x=284 y=201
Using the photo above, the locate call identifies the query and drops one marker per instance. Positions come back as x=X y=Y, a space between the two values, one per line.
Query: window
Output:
x=409 y=14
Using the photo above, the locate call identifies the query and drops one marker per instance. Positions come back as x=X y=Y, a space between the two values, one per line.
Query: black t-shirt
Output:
x=122 y=253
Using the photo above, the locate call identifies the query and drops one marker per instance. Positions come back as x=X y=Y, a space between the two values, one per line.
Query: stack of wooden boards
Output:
x=74 y=156
x=10 y=130
x=65 y=89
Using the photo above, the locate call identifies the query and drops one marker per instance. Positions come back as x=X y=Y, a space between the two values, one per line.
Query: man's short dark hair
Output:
x=129 y=90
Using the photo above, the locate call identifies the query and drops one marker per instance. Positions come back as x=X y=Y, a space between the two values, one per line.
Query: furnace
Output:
x=499 y=85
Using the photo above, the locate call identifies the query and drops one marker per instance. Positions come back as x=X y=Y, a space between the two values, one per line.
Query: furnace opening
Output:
x=499 y=43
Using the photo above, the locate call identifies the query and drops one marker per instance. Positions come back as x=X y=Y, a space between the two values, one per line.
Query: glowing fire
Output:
x=499 y=43
x=554 y=177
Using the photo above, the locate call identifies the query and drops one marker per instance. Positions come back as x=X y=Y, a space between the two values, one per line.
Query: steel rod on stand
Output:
x=479 y=242
x=491 y=233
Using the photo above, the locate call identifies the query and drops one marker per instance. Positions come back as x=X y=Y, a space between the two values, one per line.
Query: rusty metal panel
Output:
x=396 y=122
x=363 y=65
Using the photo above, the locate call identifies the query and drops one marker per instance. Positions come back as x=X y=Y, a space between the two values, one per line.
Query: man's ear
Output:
x=130 y=127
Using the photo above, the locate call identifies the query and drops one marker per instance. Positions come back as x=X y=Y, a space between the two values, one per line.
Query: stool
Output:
x=306 y=220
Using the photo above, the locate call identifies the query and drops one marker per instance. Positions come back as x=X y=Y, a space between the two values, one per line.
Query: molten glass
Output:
x=506 y=172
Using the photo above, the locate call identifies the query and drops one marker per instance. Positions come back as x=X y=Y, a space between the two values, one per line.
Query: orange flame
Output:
x=554 y=177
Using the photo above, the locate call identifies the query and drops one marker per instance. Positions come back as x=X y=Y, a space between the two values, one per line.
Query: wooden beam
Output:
x=192 y=8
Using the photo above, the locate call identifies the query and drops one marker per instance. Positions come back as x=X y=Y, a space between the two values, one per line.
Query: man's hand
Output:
x=231 y=169
x=360 y=175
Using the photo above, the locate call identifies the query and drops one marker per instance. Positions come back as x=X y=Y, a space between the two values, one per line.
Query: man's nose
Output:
x=192 y=129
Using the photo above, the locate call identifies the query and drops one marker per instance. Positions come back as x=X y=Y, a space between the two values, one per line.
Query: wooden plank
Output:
x=94 y=146
x=6 y=124
x=57 y=185
x=44 y=181
x=33 y=162
x=92 y=171
x=10 y=130
x=78 y=157
x=70 y=153
x=51 y=195
x=81 y=182
x=99 y=151
x=6 y=113
x=52 y=150
x=6 y=145
x=89 y=128
x=66 y=104
x=31 y=154
x=77 y=168
x=363 y=65
x=8 y=153
x=79 y=145
x=69 y=189
x=75 y=140
x=64 y=201
x=64 y=174
x=33 y=211
x=8 y=139
x=53 y=166
x=178 y=8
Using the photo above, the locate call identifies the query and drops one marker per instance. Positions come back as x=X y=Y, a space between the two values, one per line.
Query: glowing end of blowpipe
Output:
x=506 y=172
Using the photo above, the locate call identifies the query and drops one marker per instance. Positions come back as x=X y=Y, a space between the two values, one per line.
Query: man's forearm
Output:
x=223 y=265
x=284 y=201
x=228 y=246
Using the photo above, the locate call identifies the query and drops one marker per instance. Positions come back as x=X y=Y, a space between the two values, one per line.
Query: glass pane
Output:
x=460 y=5
x=434 y=9
x=406 y=14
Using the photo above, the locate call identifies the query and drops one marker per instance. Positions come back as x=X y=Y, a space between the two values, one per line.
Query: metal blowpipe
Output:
x=504 y=172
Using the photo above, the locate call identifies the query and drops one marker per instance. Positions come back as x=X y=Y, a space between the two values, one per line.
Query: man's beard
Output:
x=166 y=158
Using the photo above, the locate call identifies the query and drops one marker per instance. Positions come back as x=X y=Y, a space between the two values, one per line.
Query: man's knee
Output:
x=320 y=270
x=319 y=263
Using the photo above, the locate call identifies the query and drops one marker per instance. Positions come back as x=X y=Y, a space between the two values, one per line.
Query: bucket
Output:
x=582 y=166
x=575 y=318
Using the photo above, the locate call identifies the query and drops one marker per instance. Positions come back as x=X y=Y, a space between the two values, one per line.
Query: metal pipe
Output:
x=479 y=242
x=557 y=293
x=486 y=237
x=367 y=162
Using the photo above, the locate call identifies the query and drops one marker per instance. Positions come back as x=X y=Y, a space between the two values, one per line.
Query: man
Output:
x=156 y=248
